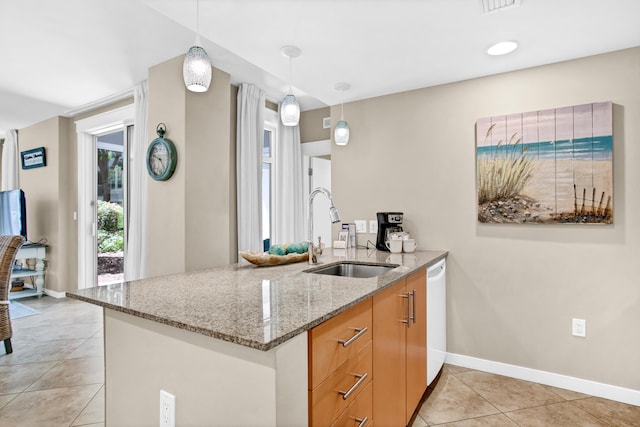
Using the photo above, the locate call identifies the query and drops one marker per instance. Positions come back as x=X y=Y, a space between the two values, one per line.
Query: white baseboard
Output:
x=55 y=294
x=607 y=391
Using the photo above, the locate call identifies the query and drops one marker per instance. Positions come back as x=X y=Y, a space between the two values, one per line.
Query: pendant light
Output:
x=290 y=109
x=341 y=131
x=196 y=69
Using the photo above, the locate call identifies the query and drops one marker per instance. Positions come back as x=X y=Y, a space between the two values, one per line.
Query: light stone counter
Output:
x=258 y=307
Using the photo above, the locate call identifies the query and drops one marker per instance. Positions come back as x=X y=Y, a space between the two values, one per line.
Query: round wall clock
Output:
x=162 y=156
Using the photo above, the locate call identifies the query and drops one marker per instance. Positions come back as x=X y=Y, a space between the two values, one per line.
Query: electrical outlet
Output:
x=361 y=226
x=579 y=328
x=167 y=409
x=373 y=226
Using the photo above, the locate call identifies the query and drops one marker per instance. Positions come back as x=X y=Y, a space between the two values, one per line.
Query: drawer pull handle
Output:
x=360 y=332
x=413 y=295
x=361 y=379
x=362 y=421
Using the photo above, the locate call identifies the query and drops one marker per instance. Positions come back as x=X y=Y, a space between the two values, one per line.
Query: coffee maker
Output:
x=388 y=222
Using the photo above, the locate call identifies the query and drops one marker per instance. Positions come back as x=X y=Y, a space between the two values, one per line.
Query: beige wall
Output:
x=240 y=385
x=512 y=289
x=189 y=221
x=191 y=217
x=311 y=125
x=42 y=193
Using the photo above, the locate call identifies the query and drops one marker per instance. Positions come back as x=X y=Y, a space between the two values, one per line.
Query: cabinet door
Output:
x=416 y=342
x=389 y=361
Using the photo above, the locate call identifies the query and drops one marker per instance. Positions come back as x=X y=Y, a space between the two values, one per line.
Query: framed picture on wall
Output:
x=546 y=167
x=34 y=158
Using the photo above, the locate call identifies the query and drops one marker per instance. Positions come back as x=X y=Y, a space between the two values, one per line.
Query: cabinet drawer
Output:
x=326 y=402
x=360 y=410
x=329 y=345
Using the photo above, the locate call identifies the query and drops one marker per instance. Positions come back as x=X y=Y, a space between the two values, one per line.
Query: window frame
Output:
x=271 y=125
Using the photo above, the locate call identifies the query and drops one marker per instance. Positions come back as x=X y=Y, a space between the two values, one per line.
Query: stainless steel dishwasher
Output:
x=436 y=318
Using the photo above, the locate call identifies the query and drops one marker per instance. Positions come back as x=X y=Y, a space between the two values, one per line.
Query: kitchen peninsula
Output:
x=231 y=343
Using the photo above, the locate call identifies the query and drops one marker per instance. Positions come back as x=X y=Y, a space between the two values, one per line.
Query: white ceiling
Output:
x=60 y=55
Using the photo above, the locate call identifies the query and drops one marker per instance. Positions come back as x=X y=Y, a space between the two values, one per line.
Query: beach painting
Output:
x=546 y=167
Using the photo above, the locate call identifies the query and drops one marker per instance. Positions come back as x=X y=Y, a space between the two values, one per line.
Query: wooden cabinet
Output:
x=340 y=368
x=376 y=354
x=389 y=349
x=417 y=342
x=399 y=350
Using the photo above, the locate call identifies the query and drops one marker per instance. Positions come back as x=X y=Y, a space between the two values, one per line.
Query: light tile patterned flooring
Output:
x=467 y=398
x=55 y=377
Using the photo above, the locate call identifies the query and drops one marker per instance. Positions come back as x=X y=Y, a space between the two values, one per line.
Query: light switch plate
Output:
x=361 y=226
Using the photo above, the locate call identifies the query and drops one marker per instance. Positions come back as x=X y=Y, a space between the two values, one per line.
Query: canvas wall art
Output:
x=549 y=166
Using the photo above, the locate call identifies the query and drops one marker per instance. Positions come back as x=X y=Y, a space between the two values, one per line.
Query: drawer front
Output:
x=360 y=412
x=328 y=401
x=333 y=342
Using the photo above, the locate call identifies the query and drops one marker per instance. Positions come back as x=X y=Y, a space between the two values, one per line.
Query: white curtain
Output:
x=10 y=161
x=289 y=204
x=250 y=138
x=135 y=261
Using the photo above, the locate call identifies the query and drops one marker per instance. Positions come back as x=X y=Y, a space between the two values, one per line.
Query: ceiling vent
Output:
x=490 y=6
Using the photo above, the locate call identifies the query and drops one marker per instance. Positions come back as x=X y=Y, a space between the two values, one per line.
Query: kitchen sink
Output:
x=351 y=269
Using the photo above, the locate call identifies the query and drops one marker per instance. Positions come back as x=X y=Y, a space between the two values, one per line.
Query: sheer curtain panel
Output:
x=289 y=204
x=249 y=142
x=10 y=161
x=135 y=262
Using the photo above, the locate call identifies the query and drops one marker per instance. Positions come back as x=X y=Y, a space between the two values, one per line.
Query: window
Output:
x=110 y=167
x=268 y=175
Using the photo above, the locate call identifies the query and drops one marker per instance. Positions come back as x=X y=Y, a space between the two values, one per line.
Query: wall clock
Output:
x=162 y=156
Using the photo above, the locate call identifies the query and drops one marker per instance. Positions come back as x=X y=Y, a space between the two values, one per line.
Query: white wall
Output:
x=513 y=289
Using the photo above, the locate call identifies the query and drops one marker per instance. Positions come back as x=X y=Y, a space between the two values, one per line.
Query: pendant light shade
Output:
x=290 y=111
x=290 y=108
x=341 y=131
x=196 y=69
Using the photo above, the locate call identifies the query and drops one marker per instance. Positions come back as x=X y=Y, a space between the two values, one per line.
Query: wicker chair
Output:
x=9 y=246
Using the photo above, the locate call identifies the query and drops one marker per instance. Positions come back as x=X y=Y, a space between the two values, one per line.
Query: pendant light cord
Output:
x=342 y=104
x=198 y=43
x=290 y=75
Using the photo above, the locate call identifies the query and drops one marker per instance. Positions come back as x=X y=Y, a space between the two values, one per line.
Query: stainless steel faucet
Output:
x=314 y=250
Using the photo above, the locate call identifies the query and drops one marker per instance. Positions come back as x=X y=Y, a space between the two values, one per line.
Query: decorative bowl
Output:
x=265 y=259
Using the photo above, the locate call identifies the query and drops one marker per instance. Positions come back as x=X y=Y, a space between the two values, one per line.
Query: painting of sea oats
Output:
x=549 y=166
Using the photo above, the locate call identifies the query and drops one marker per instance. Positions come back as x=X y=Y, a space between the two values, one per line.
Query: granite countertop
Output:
x=258 y=307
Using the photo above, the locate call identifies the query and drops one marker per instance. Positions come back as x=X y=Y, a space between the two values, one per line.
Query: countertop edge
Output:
x=248 y=342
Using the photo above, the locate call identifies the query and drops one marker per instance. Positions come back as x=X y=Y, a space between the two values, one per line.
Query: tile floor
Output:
x=55 y=377
x=467 y=398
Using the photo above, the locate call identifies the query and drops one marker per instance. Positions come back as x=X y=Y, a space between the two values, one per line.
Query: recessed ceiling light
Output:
x=502 y=48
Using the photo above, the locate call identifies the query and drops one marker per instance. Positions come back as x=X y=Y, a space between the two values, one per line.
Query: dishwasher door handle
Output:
x=436 y=271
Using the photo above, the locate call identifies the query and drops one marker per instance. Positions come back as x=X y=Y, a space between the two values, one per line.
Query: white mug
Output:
x=394 y=246
x=409 y=245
